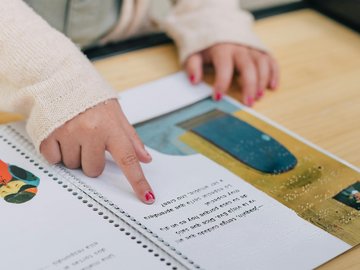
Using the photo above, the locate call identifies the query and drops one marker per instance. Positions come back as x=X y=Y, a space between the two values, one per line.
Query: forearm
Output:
x=43 y=75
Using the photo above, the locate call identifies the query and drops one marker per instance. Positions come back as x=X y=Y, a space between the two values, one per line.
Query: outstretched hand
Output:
x=257 y=70
x=82 y=142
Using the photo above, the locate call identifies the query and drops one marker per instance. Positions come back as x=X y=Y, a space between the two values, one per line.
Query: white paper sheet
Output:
x=161 y=96
x=270 y=237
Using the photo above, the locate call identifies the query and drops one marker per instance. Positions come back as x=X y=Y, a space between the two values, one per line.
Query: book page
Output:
x=217 y=220
x=209 y=212
x=47 y=224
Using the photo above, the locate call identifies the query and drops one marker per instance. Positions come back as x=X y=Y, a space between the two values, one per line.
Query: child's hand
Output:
x=82 y=142
x=257 y=70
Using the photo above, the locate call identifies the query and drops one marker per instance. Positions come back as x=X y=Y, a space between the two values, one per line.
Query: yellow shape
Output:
x=307 y=189
x=11 y=188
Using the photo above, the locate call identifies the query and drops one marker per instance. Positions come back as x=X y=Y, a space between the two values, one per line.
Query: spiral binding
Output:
x=11 y=136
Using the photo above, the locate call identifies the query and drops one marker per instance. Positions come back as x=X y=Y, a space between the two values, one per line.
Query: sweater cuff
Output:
x=63 y=96
x=193 y=33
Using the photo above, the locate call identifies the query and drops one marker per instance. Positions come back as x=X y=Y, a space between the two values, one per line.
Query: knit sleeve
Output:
x=198 y=24
x=43 y=75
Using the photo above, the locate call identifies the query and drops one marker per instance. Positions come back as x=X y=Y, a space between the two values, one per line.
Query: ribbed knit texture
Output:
x=193 y=24
x=43 y=75
x=197 y=24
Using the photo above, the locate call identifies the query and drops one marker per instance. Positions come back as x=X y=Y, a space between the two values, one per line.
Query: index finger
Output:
x=122 y=151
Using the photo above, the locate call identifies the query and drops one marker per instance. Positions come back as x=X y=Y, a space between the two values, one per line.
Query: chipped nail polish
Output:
x=249 y=101
x=192 y=79
x=259 y=93
x=149 y=197
x=218 y=96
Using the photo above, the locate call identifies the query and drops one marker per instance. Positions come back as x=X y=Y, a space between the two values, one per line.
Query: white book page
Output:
x=56 y=230
x=216 y=219
x=210 y=216
x=148 y=101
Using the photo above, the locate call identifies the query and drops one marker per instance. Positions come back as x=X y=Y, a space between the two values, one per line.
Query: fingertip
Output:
x=145 y=158
x=143 y=155
x=259 y=94
x=192 y=78
x=149 y=197
x=217 y=95
x=50 y=149
x=249 y=101
x=193 y=68
x=273 y=84
x=95 y=172
x=275 y=73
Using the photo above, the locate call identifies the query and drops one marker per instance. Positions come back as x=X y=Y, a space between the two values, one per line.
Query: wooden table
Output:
x=319 y=97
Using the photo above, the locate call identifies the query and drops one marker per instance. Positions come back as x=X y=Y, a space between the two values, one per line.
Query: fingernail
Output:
x=217 y=96
x=149 y=197
x=192 y=78
x=259 y=93
x=148 y=155
x=249 y=101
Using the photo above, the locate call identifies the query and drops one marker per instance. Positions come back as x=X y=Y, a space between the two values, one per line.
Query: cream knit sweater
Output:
x=45 y=77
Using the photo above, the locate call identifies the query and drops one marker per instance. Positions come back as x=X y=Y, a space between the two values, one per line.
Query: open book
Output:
x=233 y=191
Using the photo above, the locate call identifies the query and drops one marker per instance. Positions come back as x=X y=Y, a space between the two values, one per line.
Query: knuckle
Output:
x=241 y=51
x=89 y=126
x=129 y=159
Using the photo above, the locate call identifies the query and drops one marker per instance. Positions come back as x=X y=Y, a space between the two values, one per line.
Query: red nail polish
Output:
x=218 y=96
x=192 y=79
x=259 y=93
x=249 y=101
x=149 y=197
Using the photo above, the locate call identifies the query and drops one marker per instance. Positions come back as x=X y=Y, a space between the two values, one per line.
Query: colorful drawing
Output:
x=212 y=121
x=16 y=184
